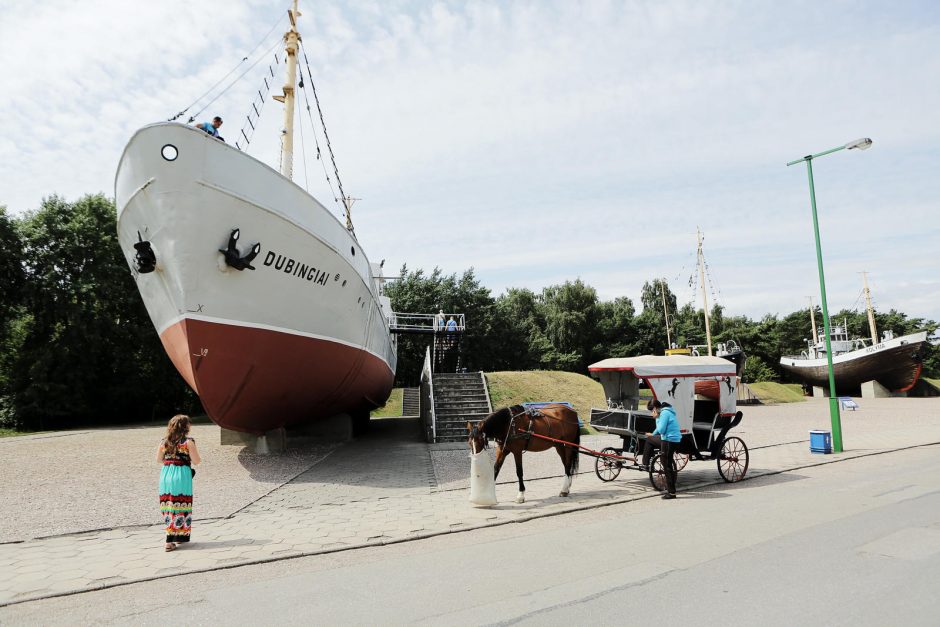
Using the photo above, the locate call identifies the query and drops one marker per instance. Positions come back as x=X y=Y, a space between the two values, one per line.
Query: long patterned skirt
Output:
x=176 y=502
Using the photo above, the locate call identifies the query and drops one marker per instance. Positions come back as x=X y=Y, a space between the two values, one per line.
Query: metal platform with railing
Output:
x=447 y=329
x=426 y=323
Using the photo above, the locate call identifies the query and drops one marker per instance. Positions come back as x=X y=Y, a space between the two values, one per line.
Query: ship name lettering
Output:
x=295 y=268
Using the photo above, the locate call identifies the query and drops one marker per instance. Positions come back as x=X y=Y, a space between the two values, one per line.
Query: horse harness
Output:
x=524 y=434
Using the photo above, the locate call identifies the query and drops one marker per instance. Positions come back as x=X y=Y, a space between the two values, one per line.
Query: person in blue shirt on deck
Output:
x=666 y=437
x=212 y=128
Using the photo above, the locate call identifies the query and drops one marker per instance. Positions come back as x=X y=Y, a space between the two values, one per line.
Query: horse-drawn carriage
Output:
x=701 y=390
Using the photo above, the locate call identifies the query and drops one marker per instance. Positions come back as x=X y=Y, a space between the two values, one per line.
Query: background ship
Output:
x=264 y=301
x=894 y=362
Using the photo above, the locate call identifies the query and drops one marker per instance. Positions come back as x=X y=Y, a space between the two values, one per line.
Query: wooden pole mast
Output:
x=871 y=311
x=812 y=318
x=701 y=276
x=291 y=39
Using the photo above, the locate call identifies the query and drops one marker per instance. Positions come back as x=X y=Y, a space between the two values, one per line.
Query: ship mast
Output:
x=871 y=311
x=812 y=319
x=662 y=290
x=701 y=275
x=291 y=39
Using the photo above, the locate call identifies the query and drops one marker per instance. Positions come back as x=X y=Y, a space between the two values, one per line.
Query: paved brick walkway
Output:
x=382 y=489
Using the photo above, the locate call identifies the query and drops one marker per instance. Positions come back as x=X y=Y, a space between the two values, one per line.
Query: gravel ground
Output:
x=73 y=481
x=762 y=426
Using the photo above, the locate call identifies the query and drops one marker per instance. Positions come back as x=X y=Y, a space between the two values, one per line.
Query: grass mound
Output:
x=392 y=406
x=539 y=386
x=769 y=392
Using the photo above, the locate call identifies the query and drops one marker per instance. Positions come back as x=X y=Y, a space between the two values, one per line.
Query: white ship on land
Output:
x=264 y=301
x=894 y=362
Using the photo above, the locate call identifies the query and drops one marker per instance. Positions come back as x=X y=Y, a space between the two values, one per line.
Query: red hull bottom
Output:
x=255 y=380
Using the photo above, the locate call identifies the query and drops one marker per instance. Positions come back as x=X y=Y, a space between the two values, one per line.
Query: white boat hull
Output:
x=302 y=336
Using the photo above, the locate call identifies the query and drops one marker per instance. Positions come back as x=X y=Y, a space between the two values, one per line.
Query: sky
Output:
x=536 y=141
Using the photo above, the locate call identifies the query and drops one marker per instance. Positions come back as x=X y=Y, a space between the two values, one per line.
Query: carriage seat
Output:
x=720 y=422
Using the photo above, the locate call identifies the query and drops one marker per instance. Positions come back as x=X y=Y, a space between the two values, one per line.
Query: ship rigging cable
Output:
x=313 y=126
x=230 y=85
x=221 y=80
x=303 y=145
x=339 y=183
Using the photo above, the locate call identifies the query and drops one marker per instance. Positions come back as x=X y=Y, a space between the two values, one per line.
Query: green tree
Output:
x=86 y=348
x=417 y=292
x=570 y=324
x=12 y=279
x=617 y=334
x=755 y=369
x=519 y=330
x=11 y=268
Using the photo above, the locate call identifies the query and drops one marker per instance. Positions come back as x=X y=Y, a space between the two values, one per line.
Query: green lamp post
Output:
x=859 y=144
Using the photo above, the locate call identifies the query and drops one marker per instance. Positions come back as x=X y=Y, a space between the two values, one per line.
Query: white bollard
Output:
x=482 y=481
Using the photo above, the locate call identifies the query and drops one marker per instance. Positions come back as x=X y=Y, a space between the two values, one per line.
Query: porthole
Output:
x=352 y=249
x=169 y=152
x=344 y=282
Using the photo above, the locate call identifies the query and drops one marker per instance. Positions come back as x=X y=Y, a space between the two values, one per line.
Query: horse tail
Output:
x=576 y=451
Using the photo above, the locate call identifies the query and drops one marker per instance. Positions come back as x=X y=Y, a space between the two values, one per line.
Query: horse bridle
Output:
x=474 y=435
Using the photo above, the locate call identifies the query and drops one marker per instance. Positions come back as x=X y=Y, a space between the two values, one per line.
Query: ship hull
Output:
x=302 y=336
x=895 y=364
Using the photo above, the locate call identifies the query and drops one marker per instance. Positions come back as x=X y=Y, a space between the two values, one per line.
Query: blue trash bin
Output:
x=820 y=442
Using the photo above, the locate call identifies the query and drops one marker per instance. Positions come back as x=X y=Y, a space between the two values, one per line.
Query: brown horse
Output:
x=515 y=430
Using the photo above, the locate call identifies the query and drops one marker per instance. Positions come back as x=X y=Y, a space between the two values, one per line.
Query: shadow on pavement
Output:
x=218 y=544
x=391 y=455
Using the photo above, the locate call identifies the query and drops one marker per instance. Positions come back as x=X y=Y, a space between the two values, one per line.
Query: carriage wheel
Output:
x=657 y=473
x=681 y=460
x=607 y=468
x=733 y=459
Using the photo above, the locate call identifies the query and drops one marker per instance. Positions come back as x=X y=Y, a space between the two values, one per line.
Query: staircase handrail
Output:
x=486 y=389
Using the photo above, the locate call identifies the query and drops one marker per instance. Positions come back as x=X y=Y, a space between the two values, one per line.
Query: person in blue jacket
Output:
x=665 y=437
x=212 y=128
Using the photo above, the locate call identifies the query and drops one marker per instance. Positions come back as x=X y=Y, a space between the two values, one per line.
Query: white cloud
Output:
x=549 y=139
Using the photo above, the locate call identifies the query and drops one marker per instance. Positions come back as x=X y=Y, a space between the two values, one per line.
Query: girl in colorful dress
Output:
x=178 y=454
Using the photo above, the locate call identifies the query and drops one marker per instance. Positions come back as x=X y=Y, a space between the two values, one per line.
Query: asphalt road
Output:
x=856 y=543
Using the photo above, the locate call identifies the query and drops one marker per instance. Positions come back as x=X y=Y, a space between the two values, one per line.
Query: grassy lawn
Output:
x=392 y=406
x=539 y=386
x=6 y=433
x=769 y=392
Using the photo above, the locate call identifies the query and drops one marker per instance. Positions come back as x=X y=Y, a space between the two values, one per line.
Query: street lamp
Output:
x=859 y=144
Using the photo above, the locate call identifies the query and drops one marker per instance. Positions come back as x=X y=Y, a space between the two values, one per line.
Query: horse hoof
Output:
x=562 y=494
x=520 y=499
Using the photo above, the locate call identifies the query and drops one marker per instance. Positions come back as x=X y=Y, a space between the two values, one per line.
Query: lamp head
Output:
x=862 y=144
